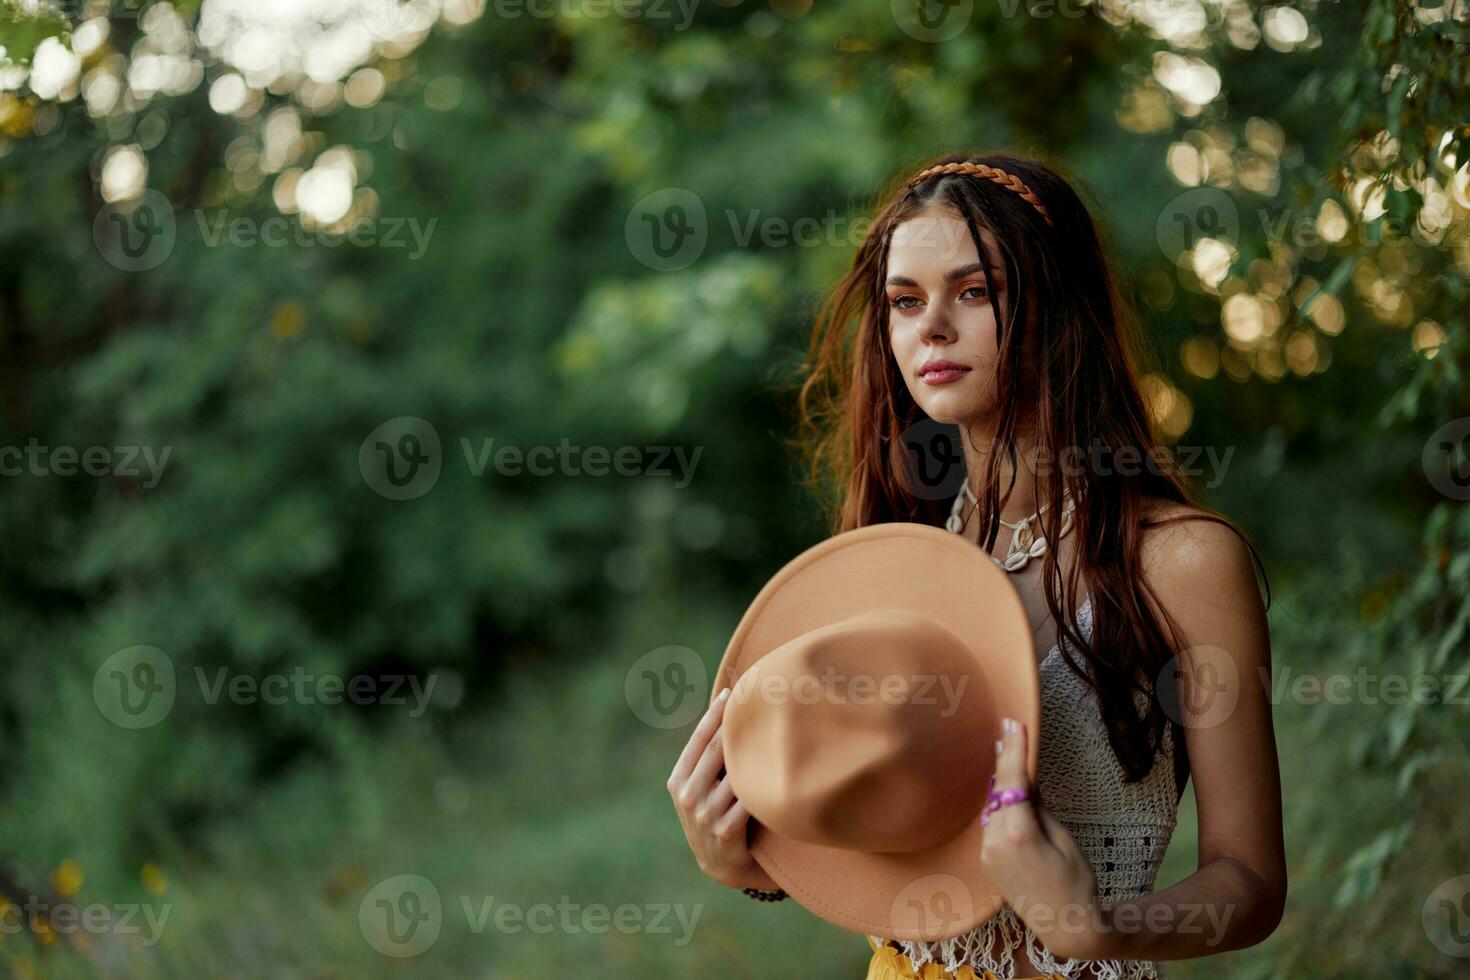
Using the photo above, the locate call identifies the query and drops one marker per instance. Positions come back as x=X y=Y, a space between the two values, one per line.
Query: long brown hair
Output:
x=1069 y=353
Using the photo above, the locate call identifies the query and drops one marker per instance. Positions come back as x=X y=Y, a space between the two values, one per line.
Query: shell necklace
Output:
x=1026 y=541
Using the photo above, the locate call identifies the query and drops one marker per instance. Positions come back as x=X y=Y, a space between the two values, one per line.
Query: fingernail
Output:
x=1007 y=724
x=998 y=746
x=724 y=694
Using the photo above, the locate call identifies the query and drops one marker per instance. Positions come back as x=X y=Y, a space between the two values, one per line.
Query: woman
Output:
x=982 y=298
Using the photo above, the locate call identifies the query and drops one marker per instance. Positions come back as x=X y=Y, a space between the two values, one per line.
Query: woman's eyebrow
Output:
x=958 y=272
x=963 y=271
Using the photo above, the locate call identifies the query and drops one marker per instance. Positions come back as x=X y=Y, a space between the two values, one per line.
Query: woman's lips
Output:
x=943 y=375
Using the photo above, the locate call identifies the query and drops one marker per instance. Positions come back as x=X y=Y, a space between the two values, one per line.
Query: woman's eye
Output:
x=905 y=302
x=973 y=292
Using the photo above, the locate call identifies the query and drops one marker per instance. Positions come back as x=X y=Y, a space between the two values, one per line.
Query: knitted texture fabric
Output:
x=1123 y=828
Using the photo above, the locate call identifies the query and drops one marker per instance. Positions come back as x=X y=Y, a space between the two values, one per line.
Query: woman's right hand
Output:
x=714 y=820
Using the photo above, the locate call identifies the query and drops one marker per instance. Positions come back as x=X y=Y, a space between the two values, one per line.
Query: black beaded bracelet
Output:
x=762 y=895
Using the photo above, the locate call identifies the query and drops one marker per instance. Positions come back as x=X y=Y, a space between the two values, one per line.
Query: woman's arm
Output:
x=1202 y=573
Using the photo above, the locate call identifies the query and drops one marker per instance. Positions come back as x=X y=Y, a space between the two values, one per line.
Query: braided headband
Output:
x=1009 y=181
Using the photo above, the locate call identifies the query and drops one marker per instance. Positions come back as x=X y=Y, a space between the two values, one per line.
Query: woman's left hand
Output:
x=1036 y=863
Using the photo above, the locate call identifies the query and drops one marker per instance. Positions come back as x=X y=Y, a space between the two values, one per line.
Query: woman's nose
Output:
x=936 y=326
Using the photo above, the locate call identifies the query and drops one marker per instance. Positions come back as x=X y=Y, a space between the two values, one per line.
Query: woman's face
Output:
x=941 y=326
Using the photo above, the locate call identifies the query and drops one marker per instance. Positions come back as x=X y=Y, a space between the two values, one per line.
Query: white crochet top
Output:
x=1123 y=828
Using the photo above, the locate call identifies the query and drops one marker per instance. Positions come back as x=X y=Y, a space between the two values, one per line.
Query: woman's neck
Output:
x=1021 y=502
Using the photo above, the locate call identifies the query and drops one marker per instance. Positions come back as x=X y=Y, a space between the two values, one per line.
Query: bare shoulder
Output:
x=1199 y=568
x=1185 y=546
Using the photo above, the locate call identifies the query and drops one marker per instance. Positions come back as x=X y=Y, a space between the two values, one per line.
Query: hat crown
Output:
x=871 y=733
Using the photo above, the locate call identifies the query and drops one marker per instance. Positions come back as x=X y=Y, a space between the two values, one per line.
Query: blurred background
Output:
x=396 y=417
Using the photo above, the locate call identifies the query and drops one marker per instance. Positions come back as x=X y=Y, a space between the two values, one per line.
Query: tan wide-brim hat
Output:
x=870 y=678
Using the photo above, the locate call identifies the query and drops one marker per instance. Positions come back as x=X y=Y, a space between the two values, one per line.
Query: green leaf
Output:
x=21 y=33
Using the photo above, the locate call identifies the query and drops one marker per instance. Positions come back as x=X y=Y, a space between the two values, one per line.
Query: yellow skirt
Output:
x=890 y=964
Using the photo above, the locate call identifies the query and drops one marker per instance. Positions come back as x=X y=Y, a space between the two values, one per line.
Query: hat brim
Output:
x=942 y=891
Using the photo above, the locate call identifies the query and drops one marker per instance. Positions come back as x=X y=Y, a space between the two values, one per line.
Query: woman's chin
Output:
x=952 y=409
